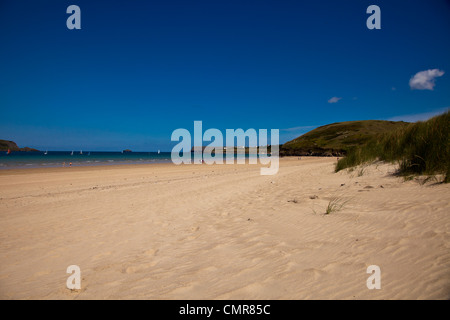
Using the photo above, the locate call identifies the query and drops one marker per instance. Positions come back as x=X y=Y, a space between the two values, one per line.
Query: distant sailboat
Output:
x=45 y=152
x=9 y=151
x=159 y=151
x=81 y=151
x=71 y=153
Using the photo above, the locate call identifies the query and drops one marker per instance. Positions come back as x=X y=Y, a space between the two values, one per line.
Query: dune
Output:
x=162 y=231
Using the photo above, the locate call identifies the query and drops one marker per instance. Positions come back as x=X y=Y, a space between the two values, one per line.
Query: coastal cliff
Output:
x=6 y=145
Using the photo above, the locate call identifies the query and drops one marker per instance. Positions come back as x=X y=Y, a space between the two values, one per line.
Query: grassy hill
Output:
x=337 y=139
x=418 y=148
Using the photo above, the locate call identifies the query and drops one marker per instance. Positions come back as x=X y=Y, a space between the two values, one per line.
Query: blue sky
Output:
x=137 y=70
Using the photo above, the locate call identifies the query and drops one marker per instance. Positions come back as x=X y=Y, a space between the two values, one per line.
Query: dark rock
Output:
x=6 y=145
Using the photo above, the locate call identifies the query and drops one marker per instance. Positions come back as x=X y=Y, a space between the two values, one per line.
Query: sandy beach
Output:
x=162 y=231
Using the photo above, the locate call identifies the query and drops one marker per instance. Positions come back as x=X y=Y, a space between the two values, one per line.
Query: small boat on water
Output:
x=81 y=151
x=71 y=153
x=9 y=151
x=45 y=153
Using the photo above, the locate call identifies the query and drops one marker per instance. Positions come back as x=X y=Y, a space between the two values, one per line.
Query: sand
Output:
x=222 y=232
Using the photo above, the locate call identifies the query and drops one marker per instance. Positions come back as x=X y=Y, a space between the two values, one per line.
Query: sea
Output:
x=20 y=159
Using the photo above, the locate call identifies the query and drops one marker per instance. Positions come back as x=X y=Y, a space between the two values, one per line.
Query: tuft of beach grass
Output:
x=336 y=204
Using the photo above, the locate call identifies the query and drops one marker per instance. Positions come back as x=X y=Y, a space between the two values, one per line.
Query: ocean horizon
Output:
x=53 y=159
x=42 y=159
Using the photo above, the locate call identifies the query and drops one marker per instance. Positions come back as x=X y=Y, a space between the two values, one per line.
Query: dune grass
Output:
x=335 y=204
x=418 y=148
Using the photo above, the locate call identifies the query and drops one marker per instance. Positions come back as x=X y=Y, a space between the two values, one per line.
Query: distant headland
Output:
x=6 y=145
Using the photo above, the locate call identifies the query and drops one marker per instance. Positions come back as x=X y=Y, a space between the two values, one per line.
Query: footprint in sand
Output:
x=195 y=229
x=101 y=255
x=151 y=252
x=314 y=273
x=138 y=268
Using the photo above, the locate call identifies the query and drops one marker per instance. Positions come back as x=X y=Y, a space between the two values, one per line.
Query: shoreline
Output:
x=106 y=166
x=81 y=168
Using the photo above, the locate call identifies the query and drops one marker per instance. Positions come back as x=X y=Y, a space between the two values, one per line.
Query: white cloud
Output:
x=419 y=116
x=334 y=100
x=424 y=80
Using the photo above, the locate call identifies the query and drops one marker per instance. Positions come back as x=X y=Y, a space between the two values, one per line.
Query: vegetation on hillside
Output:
x=418 y=148
x=338 y=138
